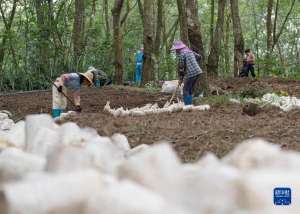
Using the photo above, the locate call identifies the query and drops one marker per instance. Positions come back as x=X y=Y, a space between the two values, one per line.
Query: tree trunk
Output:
x=168 y=36
x=296 y=47
x=8 y=24
x=273 y=38
x=78 y=33
x=43 y=38
x=282 y=60
x=107 y=27
x=212 y=20
x=26 y=35
x=53 y=26
x=148 y=42
x=158 y=36
x=181 y=5
x=213 y=58
x=269 y=34
x=195 y=38
x=226 y=43
x=118 y=47
x=238 y=37
x=141 y=8
x=276 y=35
x=194 y=29
x=254 y=15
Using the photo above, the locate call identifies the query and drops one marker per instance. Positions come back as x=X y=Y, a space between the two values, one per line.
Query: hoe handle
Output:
x=68 y=98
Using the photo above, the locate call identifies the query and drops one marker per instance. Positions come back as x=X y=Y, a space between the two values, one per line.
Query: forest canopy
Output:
x=42 y=39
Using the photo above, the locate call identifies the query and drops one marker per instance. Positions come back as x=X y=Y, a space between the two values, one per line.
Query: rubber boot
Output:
x=97 y=83
x=188 y=100
x=56 y=112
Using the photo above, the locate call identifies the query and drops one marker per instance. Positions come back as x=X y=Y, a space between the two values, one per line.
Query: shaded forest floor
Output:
x=192 y=134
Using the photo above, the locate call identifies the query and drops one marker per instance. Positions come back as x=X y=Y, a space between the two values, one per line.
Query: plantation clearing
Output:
x=192 y=134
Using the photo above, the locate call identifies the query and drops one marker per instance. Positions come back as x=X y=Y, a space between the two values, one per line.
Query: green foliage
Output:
x=214 y=100
x=152 y=87
x=168 y=68
x=253 y=92
x=22 y=68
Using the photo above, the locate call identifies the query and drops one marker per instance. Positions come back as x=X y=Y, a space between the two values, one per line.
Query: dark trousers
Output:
x=105 y=82
x=250 y=67
x=189 y=85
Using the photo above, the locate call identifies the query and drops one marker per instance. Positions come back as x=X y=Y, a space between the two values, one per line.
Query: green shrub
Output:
x=214 y=100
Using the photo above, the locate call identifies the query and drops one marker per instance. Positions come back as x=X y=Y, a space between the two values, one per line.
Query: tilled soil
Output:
x=238 y=85
x=192 y=134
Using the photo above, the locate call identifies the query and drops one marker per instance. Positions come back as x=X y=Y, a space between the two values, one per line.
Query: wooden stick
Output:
x=71 y=101
x=173 y=95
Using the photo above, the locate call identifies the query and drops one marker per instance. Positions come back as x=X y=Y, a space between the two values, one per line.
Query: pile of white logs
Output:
x=5 y=122
x=46 y=168
x=153 y=109
x=285 y=103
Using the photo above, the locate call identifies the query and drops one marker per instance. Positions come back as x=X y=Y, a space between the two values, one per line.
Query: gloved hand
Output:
x=78 y=109
x=59 y=89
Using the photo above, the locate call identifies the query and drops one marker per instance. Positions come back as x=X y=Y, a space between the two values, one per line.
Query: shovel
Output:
x=173 y=95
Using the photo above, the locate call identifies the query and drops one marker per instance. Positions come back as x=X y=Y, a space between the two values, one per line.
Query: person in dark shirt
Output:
x=188 y=70
x=250 y=60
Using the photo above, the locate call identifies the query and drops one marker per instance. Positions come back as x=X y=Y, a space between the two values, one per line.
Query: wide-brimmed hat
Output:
x=89 y=76
x=178 y=45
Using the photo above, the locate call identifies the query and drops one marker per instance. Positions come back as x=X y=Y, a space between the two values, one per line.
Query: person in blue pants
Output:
x=188 y=70
x=139 y=60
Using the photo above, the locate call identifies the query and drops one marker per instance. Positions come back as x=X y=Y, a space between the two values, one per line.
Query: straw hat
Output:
x=89 y=75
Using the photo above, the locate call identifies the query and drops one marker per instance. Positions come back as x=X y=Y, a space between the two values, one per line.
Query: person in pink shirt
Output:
x=250 y=59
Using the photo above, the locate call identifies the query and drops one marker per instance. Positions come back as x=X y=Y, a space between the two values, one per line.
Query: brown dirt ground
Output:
x=236 y=85
x=192 y=134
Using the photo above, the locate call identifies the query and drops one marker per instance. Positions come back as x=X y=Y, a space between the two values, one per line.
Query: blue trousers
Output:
x=188 y=87
x=138 y=72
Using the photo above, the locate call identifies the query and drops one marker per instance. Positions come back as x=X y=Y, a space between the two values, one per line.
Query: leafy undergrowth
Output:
x=146 y=89
x=215 y=100
x=254 y=91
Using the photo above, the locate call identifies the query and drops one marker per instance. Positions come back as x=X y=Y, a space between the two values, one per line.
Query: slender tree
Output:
x=238 y=37
x=78 y=33
x=43 y=38
x=269 y=32
x=168 y=36
x=213 y=58
x=196 y=43
x=181 y=5
x=148 y=67
x=106 y=17
x=276 y=35
x=118 y=44
x=226 y=42
x=141 y=9
x=272 y=35
x=158 y=36
x=8 y=24
x=212 y=21
x=254 y=15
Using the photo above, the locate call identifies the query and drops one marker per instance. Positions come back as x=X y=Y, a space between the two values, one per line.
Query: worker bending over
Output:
x=73 y=82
